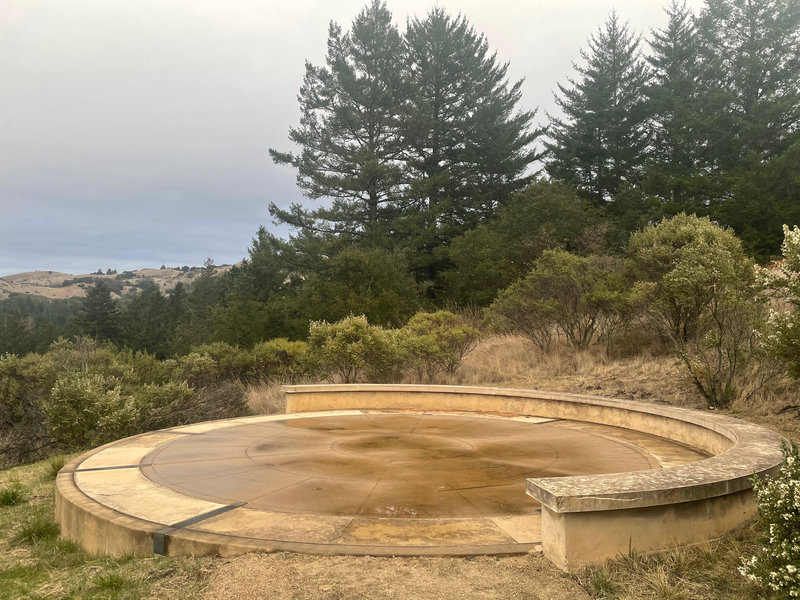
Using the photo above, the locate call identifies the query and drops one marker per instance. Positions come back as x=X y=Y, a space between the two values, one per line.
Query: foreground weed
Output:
x=38 y=528
x=601 y=584
x=12 y=495
x=112 y=581
x=663 y=589
x=54 y=465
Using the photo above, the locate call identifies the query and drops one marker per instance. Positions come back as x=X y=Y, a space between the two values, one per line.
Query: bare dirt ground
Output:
x=285 y=576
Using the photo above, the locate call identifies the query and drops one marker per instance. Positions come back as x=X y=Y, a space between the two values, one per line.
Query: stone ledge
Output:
x=587 y=519
x=742 y=449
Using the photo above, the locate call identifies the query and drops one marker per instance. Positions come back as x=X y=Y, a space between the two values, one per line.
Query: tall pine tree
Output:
x=676 y=158
x=599 y=145
x=467 y=147
x=348 y=134
x=751 y=77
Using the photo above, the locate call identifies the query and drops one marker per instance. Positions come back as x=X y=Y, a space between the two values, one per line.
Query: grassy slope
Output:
x=35 y=564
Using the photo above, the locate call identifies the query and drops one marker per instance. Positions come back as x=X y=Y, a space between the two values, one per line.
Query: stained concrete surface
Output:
x=344 y=482
x=387 y=465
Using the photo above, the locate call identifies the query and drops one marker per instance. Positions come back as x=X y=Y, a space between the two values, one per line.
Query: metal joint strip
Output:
x=160 y=536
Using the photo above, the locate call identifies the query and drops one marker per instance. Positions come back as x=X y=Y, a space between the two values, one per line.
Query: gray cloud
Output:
x=136 y=132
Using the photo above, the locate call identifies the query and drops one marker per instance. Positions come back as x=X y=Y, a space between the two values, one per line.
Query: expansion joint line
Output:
x=160 y=536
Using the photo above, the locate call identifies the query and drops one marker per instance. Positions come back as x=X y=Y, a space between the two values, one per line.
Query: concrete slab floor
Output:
x=361 y=481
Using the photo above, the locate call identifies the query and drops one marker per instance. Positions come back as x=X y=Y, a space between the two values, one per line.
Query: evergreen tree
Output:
x=467 y=146
x=348 y=133
x=262 y=275
x=144 y=321
x=99 y=314
x=599 y=144
x=16 y=334
x=751 y=77
x=674 y=104
x=415 y=140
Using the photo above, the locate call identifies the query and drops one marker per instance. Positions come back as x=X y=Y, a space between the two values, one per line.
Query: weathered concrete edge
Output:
x=743 y=449
x=100 y=529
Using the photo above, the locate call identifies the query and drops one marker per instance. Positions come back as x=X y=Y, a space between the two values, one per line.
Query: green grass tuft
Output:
x=36 y=529
x=601 y=584
x=54 y=465
x=12 y=495
x=112 y=581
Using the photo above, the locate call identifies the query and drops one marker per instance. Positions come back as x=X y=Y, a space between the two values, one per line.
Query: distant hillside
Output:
x=57 y=286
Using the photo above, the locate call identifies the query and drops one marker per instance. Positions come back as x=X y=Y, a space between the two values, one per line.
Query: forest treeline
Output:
x=430 y=187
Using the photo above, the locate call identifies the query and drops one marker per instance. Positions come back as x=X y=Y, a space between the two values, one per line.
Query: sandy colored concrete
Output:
x=590 y=517
x=387 y=465
x=602 y=477
x=353 y=482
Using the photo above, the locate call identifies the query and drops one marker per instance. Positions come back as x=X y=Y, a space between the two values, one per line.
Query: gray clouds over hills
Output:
x=137 y=132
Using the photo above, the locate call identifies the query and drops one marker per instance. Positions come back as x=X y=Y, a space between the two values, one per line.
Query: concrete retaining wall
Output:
x=587 y=519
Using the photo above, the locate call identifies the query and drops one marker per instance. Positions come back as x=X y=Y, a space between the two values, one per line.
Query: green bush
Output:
x=702 y=294
x=436 y=342
x=578 y=298
x=352 y=348
x=167 y=405
x=82 y=393
x=279 y=360
x=777 y=566
x=198 y=369
x=229 y=362
x=88 y=409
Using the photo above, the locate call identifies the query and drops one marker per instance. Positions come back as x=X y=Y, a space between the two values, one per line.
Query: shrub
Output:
x=436 y=342
x=23 y=435
x=783 y=332
x=221 y=401
x=279 y=360
x=197 y=369
x=579 y=298
x=350 y=348
x=777 y=566
x=229 y=362
x=702 y=294
x=167 y=405
x=86 y=409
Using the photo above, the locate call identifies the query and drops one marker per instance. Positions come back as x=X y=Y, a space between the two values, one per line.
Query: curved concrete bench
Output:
x=586 y=519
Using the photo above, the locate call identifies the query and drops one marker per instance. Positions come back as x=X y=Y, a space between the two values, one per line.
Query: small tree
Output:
x=99 y=315
x=350 y=348
x=703 y=296
x=437 y=342
x=572 y=296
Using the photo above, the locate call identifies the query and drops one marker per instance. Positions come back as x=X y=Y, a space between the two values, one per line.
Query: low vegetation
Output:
x=35 y=563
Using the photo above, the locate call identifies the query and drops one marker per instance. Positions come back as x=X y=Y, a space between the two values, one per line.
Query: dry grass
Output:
x=284 y=576
x=265 y=398
x=707 y=571
x=513 y=361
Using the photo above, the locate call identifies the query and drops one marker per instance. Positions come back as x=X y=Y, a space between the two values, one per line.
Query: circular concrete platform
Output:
x=347 y=482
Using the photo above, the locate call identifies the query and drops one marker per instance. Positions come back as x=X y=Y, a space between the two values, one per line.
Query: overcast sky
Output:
x=135 y=132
